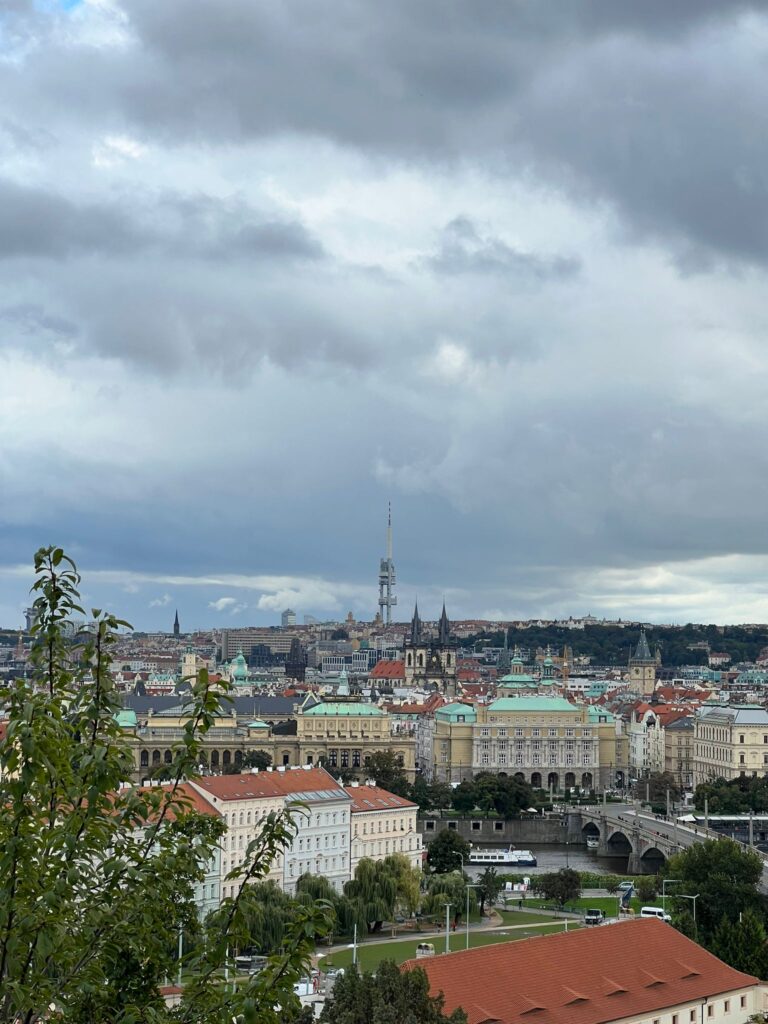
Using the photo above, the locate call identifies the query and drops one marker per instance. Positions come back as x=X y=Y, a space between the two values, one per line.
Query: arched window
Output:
x=168 y=757
x=144 y=759
x=226 y=757
x=155 y=757
x=242 y=819
x=448 y=660
x=214 y=759
x=238 y=757
x=421 y=660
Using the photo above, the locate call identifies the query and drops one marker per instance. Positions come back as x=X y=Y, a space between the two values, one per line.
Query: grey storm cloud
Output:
x=463 y=250
x=614 y=100
x=265 y=267
x=35 y=222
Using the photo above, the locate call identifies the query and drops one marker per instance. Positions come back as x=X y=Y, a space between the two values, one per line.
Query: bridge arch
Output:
x=651 y=860
x=590 y=831
x=618 y=845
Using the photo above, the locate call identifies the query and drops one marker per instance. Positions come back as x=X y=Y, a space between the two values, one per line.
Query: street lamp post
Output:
x=682 y=896
x=448 y=927
x=664 y=884
x=469 y=886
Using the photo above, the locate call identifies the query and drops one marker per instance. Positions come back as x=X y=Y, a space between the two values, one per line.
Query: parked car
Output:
x=626 y=886
x=594 y=916
x=656 y=912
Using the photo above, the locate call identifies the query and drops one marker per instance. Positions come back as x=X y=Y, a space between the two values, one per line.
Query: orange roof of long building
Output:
x=374 y=798
x=591 y=976
x=271 y=784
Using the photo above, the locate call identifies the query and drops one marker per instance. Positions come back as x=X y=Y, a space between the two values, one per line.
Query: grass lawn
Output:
x=608 y=904
x=369 y=955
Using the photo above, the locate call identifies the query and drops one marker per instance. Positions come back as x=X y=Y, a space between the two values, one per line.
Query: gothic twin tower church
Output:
x=430 y=660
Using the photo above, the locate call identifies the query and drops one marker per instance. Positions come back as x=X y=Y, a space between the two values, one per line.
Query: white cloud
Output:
x=223 y=604
x=114 y=150
x=156 y=602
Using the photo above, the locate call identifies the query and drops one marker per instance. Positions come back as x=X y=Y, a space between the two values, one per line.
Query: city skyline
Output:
x=505 y=269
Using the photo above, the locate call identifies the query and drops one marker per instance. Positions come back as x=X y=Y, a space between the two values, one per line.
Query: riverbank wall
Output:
x=519 y=832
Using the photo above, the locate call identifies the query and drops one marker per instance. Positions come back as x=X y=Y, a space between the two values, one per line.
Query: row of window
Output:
x=534 y=759
x=486 y=731
x=552 y=745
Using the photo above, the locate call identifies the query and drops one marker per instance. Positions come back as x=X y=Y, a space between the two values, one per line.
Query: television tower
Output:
x=387 y=598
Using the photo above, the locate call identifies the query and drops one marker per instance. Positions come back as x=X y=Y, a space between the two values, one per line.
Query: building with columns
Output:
x=545 y=741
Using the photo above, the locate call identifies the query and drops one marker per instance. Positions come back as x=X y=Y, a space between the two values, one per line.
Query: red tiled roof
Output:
x=269 y=784
x=388 y=670
x=590 y=976
x=374 y=798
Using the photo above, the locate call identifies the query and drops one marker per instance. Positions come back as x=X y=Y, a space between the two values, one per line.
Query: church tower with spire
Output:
x=642 y=668
x=176 y=627
x=431 y=660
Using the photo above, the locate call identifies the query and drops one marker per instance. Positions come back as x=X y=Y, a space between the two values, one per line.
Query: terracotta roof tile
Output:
x=590 y=976
x=388 y=670
x=270 y=784
x=374 y=798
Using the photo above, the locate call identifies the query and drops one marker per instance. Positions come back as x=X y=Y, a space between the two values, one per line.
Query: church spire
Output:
x=176 y=627
x=416 y=625
x=643 y=652
x=444 y=628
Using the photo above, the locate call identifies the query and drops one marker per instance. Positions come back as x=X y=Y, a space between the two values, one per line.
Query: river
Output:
x=552 y=858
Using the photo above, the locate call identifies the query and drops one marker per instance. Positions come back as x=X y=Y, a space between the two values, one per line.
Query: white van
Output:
x=654 y=912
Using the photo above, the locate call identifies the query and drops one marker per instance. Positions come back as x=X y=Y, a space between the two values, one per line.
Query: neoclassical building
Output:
x=340 y=734
x=546 y=741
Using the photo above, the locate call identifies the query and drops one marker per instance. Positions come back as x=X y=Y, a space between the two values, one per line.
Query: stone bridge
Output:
x=622 y=831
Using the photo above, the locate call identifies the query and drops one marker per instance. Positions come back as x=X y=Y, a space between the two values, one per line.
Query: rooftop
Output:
x=307 y=784
x=350 y=708
x=539 y=704
x=602 y=975
x=374 y=798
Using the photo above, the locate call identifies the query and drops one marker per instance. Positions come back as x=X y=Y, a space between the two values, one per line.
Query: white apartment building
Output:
x=382 y=824
x=321 y=845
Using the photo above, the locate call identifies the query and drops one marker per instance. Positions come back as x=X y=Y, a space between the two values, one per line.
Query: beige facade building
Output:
x=321 y=845
x=341 y=734
x=678 y=750
x=729 y=741
x=546 y=741
x=383 y=824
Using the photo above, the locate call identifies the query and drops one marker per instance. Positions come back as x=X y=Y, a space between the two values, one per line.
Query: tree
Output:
x=558 y=886
x=723 y=875
x=647 y=886
x=96 y=875
x=257 y=759
x=385 y=769
x=391 y=997
x=448 y=888
x=656 y=785
x=446 y=850
x=373 y=892
x=465 y=797
x=489 y=886
x=430 y=796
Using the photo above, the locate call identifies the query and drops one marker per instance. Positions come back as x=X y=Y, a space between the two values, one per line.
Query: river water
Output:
x=553 y=857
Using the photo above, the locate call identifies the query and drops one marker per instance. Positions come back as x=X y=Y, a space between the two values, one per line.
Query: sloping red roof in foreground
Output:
x=590 y=976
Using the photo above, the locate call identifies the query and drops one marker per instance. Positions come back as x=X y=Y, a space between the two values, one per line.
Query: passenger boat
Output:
x=523 y=859
x=491 y=855
x=592 y=842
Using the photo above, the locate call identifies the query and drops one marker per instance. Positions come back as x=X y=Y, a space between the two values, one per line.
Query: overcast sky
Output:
x=266 y=266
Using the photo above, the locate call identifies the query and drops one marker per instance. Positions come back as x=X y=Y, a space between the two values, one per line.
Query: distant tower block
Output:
x=176 y=627
x=387 y=599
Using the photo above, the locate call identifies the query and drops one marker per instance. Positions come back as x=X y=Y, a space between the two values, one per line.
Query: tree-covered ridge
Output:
x=611 y=645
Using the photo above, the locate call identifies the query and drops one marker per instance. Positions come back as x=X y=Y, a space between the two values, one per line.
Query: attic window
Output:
x=688 y=972
x=613 y=988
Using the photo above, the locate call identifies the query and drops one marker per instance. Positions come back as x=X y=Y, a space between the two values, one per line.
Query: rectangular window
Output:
x=710 y=1010
x=727 y=1006
x=537 y=759
x=520 y=745
x=453 y=825
x=569 y=732
x=345 y=759
x=536 y=745
x=485 y=759
x=535 y=732
x=498 y=826
x=355 y=758
x=502 y=758
x=476 y=826
x=332 y=754
x=519 y=759
x=518 y=731
x=485 y=731
x=501 y=732
x=743 y=1001
x=429 y=825
x=552 y=732
x=586 y=759
x=569 y=758
x=485 y=744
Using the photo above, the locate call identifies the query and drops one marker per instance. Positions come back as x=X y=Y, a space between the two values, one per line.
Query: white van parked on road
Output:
x=654 y=912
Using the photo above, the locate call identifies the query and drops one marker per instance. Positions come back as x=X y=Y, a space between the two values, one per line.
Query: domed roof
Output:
x=239 y=667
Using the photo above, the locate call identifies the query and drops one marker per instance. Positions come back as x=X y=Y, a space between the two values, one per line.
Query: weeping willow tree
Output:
x=373 y=892
x=449 y=888
x=267 y=914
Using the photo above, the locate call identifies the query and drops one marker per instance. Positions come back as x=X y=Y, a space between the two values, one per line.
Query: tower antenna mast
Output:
x=387 y=599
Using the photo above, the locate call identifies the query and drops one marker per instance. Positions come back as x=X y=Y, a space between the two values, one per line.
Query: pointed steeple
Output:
x=444 y=628
x=643 y=652
x=176 y=627
x=416 y=625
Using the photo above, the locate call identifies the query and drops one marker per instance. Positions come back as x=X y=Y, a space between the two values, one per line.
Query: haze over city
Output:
x=502 y=265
